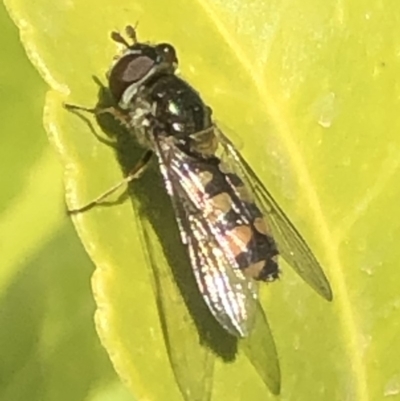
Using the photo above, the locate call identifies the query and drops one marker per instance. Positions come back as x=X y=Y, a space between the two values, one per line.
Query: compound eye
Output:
x=167 y=53
x=128 y=70
x=136 y=68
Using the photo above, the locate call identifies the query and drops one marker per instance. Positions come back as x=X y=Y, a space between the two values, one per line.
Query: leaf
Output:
x=50 y=348
x=25 y=157
x=48 y=345
x=312 y=89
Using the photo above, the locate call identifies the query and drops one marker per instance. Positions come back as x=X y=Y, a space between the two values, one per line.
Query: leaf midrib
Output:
x=342 y=302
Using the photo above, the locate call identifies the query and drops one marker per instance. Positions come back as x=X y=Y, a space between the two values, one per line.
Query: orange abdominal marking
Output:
x=223 y=168
x=261 y=226
x=205 y=177
x=221 y=202
x=254 y=270
x=243 y=194
x=238 y=239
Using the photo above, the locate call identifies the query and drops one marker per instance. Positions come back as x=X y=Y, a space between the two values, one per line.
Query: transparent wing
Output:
x=224 y=289
x=260 y=349
x=192 y=363
x=230 y=296
x=258 y=345
x=290 y=243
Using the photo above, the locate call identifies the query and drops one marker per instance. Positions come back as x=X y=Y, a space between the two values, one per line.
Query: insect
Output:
x=231 y=226
x=233 y=229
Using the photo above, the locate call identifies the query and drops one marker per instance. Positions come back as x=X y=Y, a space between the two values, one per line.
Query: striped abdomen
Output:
x=238 y=224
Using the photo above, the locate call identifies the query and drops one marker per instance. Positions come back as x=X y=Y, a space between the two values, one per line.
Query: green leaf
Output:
x=312 y=90
x=49 y=348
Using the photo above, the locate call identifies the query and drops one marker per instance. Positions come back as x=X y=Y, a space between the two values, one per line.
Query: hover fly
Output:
x=231 y=225
x=233 y=229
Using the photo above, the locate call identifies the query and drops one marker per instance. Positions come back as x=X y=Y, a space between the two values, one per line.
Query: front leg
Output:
x=121 y=117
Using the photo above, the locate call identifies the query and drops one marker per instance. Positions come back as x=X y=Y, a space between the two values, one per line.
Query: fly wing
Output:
x=229 y=294
x=290 y=243
x=259 y=345
x=192 y=363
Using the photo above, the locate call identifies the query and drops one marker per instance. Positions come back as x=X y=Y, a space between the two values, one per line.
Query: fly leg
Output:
x=119 y=115
x=134 y=174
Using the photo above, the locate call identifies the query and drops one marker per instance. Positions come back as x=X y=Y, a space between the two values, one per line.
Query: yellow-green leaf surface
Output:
x=49 y=349
x=311 y=88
